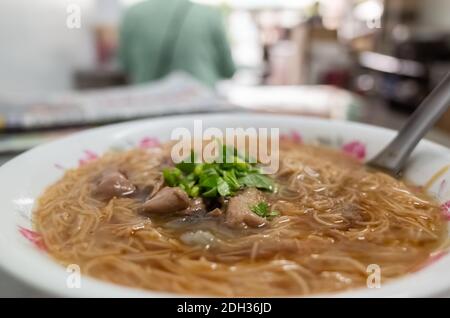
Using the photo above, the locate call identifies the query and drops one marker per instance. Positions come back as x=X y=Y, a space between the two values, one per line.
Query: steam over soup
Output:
x=136 y=219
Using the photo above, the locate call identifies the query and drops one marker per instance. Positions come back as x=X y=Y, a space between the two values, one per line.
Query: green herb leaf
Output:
x=186 y=167
x=172 y=176
x=194 y=192
x=209 y=181
x=210 y=193
x=198 y=169
x=240 y=164
x=230 y=177
x=262 y=209
x=191 y=177
x=222 y=187
x=258 y=181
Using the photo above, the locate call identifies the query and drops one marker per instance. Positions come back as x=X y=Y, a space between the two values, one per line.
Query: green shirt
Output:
x=201 y=48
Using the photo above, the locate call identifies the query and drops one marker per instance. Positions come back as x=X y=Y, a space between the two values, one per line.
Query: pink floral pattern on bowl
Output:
x=445 y=208
x=355 y=149
x=34 y=237
x=293 y=135
x=149 y=142
x=433 y=258
x=88 y=156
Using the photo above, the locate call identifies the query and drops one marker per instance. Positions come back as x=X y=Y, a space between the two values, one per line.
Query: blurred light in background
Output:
x=369 y=10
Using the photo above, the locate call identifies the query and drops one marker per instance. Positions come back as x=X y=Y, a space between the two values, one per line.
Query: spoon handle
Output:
x=395 y=155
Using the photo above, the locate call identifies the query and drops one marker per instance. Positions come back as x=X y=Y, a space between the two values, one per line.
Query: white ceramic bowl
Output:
x=24 y=178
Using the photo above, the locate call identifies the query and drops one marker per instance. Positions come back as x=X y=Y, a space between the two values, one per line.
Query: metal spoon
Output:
x=393 y=158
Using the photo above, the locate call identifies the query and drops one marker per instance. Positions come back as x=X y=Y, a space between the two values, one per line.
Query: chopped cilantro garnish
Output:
x=262 y=209
x=220 y=178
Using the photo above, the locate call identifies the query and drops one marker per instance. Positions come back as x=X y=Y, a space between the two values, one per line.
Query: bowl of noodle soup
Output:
x=106 y=213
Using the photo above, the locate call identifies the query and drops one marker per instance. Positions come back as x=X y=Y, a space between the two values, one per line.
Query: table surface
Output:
x=11 y=287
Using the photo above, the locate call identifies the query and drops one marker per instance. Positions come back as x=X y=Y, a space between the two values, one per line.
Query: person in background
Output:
x=161 y=36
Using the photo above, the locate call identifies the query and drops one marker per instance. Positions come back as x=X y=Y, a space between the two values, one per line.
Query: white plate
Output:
x=24 y=178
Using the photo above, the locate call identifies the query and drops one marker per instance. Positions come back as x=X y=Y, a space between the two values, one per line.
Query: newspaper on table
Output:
x=178 y=93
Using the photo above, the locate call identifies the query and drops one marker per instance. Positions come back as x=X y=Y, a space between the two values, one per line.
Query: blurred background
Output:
x=67 y=65
x=70 y=64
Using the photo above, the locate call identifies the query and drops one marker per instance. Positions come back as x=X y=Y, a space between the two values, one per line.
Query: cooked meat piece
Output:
x=195 y=206
x=167 y=200
x=113 y=183
x=216 y=212
x=156 y=186
x=144 y=193
x=239 y=211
